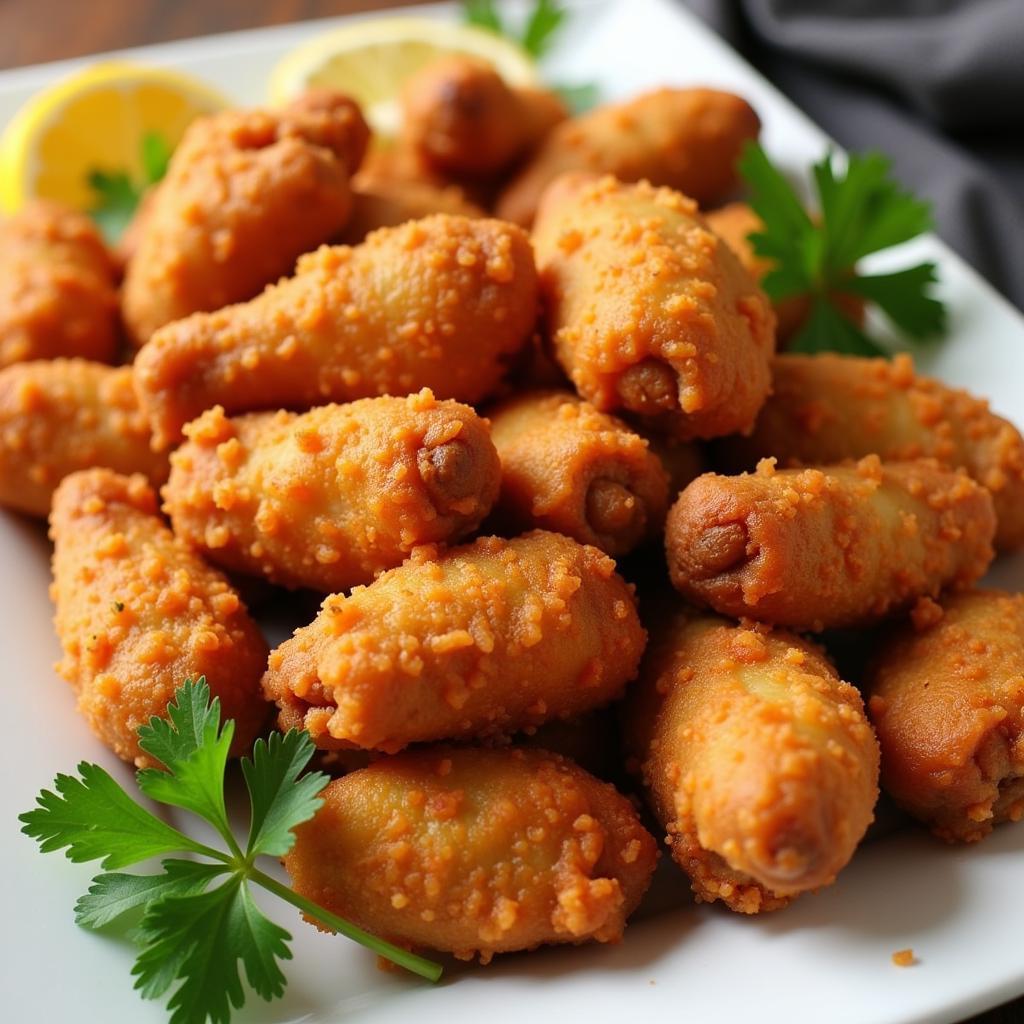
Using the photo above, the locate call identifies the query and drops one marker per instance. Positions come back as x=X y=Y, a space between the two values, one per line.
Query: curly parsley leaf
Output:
x=194 y=749
x=904 y=299
x=545 y=20
x=579 y=98
x=113 y=895
x=117 y=194
x=192 y=937
x=93 y=818
x=116 y=200
x=828 y=330
x=198 y=940
x=156 y=155
x=278 y=796
x=483 y=14
x=863 y=210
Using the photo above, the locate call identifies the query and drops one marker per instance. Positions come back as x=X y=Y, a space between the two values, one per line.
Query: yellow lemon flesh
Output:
x=370 y=61
x=95 y=120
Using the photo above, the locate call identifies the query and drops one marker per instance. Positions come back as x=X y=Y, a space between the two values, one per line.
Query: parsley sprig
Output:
x=118 y=196
x=198 y=917
x=862 y=211
x=536 y=36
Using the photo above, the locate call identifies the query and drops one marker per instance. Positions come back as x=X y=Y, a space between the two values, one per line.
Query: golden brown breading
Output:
x=330 y=498
x=484 y=639
x=437 y=303
x=757 y=758
x=947 y=700
x=246 y=192
x=61 y=415
x=826 y=408
x=569 y=468
x=463 y=119
x=650 y=312
x=378 y=203
x=138 y=614
x=58 y=292
x=819 y=548
x=733 y=223
x=475 y=852
x=686 y=139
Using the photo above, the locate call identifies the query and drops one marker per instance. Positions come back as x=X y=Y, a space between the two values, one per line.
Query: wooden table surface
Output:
x=34 y=31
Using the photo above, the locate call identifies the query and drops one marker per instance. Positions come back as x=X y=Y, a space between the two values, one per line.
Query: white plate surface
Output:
x=825 y=959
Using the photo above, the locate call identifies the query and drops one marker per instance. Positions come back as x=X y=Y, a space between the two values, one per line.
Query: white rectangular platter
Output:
x=825 y=959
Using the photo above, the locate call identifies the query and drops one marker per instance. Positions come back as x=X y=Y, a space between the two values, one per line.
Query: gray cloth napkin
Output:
x=938 y=85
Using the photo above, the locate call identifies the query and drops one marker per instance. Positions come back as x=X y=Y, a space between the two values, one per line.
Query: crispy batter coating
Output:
x=484 y=639
x=686 y=139
x=475 y=852
x=838 y=546
x=138 y=613
x=947 y=700
x=61 y=415
x=247 y=192
x=569 y=468
x=758 y=759
x=650 y=312
x=463 y=119
x=379 y=203
x=58 y=293
x=733 y=223
x=826 y=408
x=330 y=498
x=437 y=303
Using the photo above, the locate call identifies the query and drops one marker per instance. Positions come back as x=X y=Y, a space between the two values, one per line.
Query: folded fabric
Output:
x=938 y=85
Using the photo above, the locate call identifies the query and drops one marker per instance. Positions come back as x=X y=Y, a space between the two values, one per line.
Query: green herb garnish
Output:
x=536 y=37
x=198 y=917
x=542 y=25
x=862 y=211
x=118 y=196
x=579 y=98
x=483 y=14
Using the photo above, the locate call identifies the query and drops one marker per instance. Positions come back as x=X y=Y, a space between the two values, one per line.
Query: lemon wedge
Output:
x=95 y=120
x=370 y=60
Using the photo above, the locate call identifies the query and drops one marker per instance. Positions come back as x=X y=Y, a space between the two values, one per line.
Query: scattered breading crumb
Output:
x=904 y=958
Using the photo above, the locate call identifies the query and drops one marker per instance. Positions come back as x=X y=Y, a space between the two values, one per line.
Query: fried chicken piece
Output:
x=826 y=408
x=497 y=850
x=569 y=468
x=246 y=193
x=58 y=293
x=330 y=498
x=733 y=223
x=685 y=139
x=62 y=415
x=757 y=758
x=838 y=546
x=138 y=613
x=462 y=118
x=438 y=303
x=947 y=700
x=484 y=639
x=378 y=203
x=650 y=312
